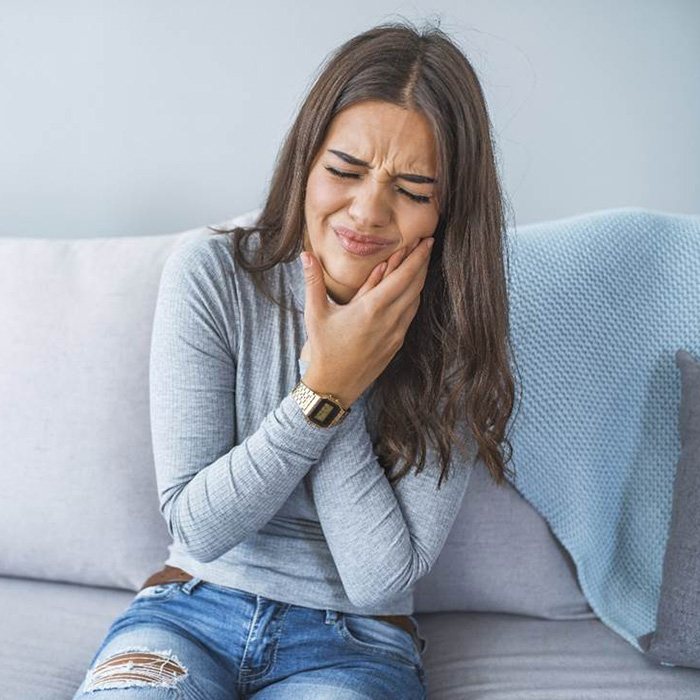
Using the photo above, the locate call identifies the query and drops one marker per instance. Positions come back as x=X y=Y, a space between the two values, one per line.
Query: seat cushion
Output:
x=494 y=656
x=52 y=630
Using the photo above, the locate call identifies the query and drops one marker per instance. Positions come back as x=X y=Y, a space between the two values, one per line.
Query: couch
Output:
x=80 y=529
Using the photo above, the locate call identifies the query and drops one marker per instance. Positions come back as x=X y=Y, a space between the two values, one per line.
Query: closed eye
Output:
x=421 y=199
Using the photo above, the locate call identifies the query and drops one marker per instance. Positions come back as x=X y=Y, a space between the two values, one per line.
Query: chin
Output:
x=349 y=273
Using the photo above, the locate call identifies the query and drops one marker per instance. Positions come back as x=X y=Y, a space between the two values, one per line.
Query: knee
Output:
x=135 y=668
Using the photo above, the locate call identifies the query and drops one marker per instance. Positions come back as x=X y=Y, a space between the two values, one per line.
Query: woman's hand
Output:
x=376 y=276
x=350 y=345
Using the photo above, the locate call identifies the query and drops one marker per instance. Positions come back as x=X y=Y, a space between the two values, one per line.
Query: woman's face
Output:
x=376 y=199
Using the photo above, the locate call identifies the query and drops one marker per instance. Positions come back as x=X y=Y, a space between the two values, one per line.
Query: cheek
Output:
x=414 y=225
x=322 y=196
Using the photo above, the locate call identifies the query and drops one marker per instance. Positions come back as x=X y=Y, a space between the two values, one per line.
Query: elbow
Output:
x=363 y=599
x=374 y=598
x=380 y=589
x=196 y=544
x=370 y=595
x=199 y=549
x=203 y=556
x=362 y=591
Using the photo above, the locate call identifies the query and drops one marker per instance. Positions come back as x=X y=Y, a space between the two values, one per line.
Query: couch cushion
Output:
x=676 y=639
x=501 y=556
x=469 y=655
x=50 y=632
x=484 y=656
x=78 y=476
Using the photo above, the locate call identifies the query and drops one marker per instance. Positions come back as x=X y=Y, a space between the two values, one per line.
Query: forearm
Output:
x=222 y=503
x=383 y=538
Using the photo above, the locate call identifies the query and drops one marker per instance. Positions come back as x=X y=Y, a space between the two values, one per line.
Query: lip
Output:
x=357 y=244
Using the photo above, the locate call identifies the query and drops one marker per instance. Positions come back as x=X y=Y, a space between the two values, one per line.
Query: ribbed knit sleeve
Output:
x=383 y=538
x=213 y=490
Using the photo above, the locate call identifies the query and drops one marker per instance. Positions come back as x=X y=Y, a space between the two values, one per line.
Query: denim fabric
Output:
x=218 y=643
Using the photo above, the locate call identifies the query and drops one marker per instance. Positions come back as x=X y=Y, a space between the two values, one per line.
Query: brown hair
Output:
x=454 y=363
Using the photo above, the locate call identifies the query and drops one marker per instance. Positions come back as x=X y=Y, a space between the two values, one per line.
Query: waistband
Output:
x=169 y=574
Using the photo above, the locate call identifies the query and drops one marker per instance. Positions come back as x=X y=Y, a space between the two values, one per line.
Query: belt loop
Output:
x=189 y=585
x=332 y=616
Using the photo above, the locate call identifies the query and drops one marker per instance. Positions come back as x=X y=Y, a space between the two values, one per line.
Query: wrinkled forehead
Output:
x=384 y=135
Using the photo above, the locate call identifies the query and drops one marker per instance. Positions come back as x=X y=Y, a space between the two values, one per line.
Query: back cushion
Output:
x=501 y=556
x=78 y=497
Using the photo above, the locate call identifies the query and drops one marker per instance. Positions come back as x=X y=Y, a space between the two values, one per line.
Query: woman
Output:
x=284 y=398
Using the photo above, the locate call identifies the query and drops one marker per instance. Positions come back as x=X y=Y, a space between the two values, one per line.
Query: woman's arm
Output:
x=213 y=493
x=382 y=538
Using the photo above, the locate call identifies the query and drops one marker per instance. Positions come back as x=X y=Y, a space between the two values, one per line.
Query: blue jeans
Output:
x=201 y=641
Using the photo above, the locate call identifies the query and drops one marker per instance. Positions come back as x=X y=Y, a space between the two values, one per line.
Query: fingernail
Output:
x=430 y=243
x=305 y=260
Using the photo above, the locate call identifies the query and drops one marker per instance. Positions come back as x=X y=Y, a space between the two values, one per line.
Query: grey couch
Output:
x=80 y=528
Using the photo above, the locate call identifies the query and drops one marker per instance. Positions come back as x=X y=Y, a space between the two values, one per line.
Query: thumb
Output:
x=313 y=277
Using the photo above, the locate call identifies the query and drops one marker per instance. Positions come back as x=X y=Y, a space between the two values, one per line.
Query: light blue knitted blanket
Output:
x=600 y=302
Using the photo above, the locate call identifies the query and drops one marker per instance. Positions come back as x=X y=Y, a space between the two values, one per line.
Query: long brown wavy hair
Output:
x=453 y=367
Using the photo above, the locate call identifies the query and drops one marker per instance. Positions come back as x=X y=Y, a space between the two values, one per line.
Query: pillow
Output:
x=676 y=639
x=501 y=556
x=78 y=496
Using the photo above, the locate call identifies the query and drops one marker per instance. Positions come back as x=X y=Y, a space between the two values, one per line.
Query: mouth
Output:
x=358 y=244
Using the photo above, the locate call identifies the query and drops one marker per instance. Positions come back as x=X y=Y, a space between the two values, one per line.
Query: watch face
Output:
x=324 y=412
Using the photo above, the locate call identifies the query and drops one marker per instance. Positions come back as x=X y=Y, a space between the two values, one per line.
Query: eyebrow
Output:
x=352 y=160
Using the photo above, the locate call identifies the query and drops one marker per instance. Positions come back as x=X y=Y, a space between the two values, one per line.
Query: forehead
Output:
x=381 y=130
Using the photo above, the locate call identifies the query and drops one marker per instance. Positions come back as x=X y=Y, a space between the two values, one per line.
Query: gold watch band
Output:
x=322 y=410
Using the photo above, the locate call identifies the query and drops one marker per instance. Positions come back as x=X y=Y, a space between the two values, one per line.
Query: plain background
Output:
x=126 y=118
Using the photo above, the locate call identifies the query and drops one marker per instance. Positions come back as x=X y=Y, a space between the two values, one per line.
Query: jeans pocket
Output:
x=367 y=634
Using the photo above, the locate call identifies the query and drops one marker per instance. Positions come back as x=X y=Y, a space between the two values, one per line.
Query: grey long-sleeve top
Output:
x=256 y=497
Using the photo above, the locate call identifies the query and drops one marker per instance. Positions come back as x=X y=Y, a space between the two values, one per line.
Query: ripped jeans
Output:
x=201 y=641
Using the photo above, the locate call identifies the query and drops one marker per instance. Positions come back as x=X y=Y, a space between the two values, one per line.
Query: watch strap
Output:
x=323 y=410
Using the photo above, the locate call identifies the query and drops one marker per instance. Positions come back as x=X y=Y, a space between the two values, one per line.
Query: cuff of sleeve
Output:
x=309 y=438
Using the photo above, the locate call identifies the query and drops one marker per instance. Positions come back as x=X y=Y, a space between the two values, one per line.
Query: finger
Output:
x=374 y=278
x=403 y=323
x=407 y=304
x=405 y=279
x=394 y=261
x=398 y=257
x=315 y=286
x=409 y=314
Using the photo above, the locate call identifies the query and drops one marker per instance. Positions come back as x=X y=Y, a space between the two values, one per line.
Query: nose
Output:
x=369 y=208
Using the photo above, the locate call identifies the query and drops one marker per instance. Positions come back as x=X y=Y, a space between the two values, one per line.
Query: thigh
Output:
x=357 y=681
x=147 y=655
x=382 y=642
x=351 y=657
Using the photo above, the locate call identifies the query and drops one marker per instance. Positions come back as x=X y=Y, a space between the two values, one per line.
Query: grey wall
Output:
x=138 y=118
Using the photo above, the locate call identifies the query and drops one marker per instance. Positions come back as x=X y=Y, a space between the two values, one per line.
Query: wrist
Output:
x=321 y=385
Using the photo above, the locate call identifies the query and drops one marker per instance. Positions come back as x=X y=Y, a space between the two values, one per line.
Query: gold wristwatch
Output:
x=323 y=410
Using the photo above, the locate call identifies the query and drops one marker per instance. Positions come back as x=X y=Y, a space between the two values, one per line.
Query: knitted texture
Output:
x=600 y=303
